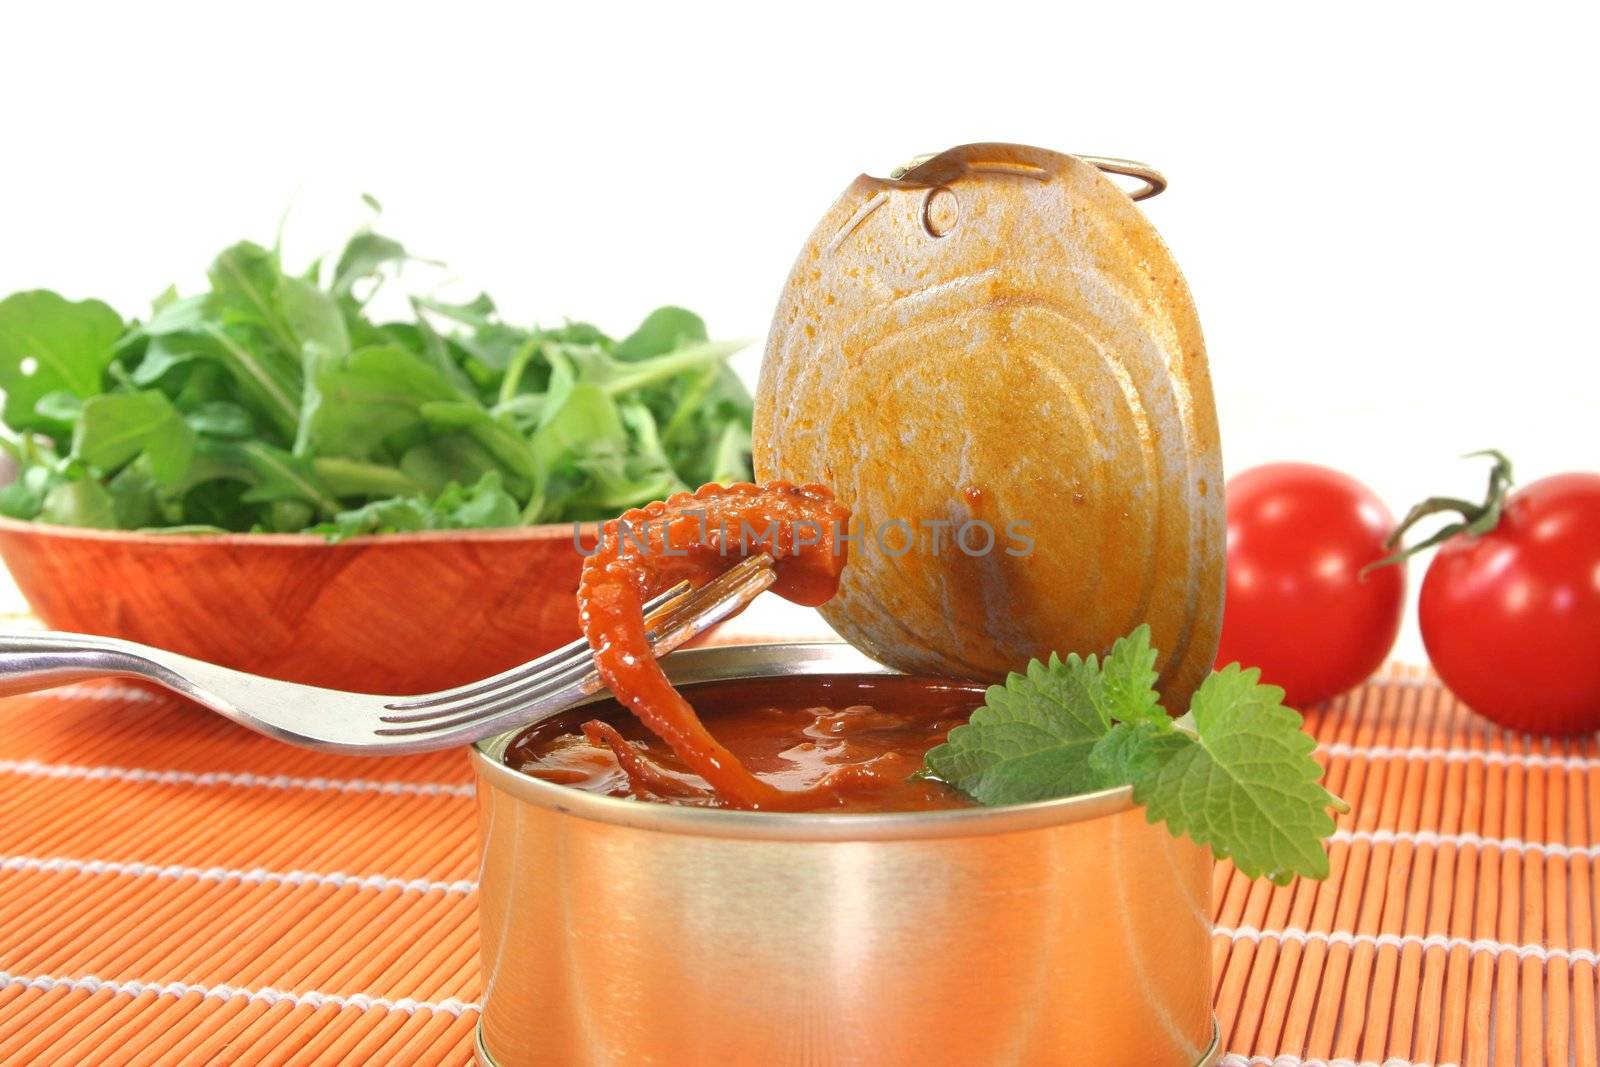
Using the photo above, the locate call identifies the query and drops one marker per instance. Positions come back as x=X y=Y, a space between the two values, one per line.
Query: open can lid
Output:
x=995 y=362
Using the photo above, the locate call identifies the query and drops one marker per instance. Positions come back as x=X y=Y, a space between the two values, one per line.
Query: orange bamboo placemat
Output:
x=176 y=890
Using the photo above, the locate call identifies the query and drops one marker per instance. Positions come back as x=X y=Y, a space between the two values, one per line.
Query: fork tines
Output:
x=671 y=619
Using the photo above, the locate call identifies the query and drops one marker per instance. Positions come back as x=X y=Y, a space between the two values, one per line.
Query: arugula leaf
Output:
x=453 y=457
x=116 y=427
x=50 y=345
x=483 y=504
x=353 y=478
x=220 y=418
x=272 y=401
x=19 y=501
x=312 y=317
x=79 y=503
x=364 y=256
x=1236 y=773
x=278 y=477
x=512 y=451
x=705 y=423
x=136 y=498
x=61 y=406
x=366 y=398
x=24 y=498
x=262 y=385
x=477 y=312
x=438 y=351
x=598 y=367
x=244 y=285
x=665 y=329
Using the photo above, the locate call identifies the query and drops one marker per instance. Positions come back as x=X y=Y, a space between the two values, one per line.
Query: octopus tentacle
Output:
x=646 y=778
x=696 y=536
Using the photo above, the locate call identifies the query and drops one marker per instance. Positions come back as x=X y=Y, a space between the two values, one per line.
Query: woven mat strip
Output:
x=176 y=890
x=1458 y=923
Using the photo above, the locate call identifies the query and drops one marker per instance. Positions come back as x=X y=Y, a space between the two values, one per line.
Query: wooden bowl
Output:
x=387 y=613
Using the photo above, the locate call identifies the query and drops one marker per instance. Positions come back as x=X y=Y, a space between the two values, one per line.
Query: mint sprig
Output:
x=1235 y=773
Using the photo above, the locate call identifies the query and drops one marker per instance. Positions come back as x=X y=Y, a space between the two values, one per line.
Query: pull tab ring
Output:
x=1155 y=183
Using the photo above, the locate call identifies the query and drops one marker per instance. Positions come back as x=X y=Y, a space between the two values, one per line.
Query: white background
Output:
x=1385 y=211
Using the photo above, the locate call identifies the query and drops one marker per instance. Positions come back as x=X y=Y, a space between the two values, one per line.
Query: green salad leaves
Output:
x=1234 y=773
x=275 y=402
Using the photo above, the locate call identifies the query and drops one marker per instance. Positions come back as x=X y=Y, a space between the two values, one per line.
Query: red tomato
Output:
x=1297 y=606
x=1511 y=618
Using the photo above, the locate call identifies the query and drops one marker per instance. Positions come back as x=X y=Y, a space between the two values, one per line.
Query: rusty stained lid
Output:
x=998 y=339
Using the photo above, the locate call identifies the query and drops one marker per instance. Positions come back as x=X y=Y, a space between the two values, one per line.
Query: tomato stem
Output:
x=1475 y=519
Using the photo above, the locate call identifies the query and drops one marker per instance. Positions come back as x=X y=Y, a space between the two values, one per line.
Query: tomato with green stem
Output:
x=1510 y=606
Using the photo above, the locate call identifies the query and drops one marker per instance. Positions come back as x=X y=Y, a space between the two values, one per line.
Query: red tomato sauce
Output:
x=845 y=744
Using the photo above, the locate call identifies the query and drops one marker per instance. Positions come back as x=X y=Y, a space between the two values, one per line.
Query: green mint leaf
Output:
x=1243 y=782
x=1236 y=773
x=1133 y=749
x=1129 y=679
x=1032 y=737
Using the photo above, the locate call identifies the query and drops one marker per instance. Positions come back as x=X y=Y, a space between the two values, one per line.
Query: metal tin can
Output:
x=617 y=932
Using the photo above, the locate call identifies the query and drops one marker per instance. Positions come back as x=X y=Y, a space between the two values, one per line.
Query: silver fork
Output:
x=364 y=723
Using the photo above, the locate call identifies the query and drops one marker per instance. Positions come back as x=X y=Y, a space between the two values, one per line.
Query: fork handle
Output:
x=35 y=660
